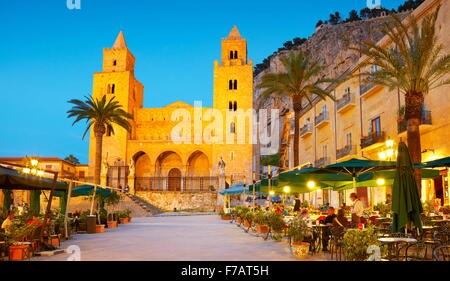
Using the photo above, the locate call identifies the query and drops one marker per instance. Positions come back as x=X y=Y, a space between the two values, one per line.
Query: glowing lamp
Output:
x=390 y=143
x=272 y=193
x=382 y=156
x=381 y=182
x=34 y=162
x=311 y=184
x=390 y=153
x=287 y=189
x=26 y=170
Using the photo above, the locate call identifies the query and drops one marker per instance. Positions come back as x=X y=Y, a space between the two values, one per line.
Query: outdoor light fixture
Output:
x=31 y=168
x=381 y=182
x=311 y=184
x=389 y=153
x=382 y=155
x=390 y=143
x=272 y=193
x=287 y=189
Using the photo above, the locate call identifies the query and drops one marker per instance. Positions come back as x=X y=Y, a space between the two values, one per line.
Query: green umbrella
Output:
x=85 y=190
x=35 y=202
x=63 y=202
x=7 y=200
x=406 y=204
x=444 y=162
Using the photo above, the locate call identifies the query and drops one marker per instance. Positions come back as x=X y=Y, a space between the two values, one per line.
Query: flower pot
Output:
x=226 y=218
x=247 y=224
x=300 y=250
x=112 y=224
x=123 y=220
x=54 y=241
x=238 y=220
x=129 y=219
x=19 y=252
x=82 y=226
x=100 y=228
x=262 y=229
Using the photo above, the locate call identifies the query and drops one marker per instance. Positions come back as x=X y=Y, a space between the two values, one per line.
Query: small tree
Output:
x=72 y=159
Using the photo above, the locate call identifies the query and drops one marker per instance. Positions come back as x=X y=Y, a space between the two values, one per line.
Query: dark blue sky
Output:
x=49 y=53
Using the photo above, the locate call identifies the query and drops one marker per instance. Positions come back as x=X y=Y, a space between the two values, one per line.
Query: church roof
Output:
x=234 y=34
x=178 y=104
x=120 y=42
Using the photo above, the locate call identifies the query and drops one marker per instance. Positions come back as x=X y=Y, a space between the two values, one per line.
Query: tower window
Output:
x=230 y=106
x=108 y=132
x=230 y=85
x=235 y=106
x=115 y=62
x=113 y=89
x=232 y=128
x=235 y=54
x=235 y=84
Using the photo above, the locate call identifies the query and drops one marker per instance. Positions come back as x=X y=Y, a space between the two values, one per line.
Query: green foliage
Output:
x=305 y=204
x=428 y=207
x=384 y=209
x=276 y=222
x=242 y=211
x=100 y=114
x=113 y=199
x=410 y=4
x=223 y=214
x=249 y=216
x=272 y=160
x=355 y=243
x=261 y=218
x=72 y=159
x=297 y=230
x=19 y=231
x=124 y=214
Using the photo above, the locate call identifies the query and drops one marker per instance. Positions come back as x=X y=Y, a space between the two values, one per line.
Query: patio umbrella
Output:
x=236 y=189
x=7 y=201
x=444 y=162
x=35 y=202
x=406 y=204
x=63 y=202
x=85 y=190
x=13 y=179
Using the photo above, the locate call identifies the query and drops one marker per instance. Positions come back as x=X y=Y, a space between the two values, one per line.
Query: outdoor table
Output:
x=392 y=243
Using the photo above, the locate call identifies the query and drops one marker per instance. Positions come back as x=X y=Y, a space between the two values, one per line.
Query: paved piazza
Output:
x=177 y=238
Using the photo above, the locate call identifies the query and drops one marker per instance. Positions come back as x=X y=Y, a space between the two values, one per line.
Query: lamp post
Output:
x=389 y=153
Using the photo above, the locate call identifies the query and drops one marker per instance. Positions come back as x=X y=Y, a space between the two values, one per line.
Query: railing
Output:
x=321 y=162
x=179 y=184
x=373 y=139
x=426 y=120
x=321 y=117
x=364 y=88
x=305 y=129
x=346 y=99
x=346 y=151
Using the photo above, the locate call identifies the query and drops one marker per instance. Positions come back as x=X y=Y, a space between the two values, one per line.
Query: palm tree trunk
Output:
x=413 y=114
x=296 y=138
x=98 y=155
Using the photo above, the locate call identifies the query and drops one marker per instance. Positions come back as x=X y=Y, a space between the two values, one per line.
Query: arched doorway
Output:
x=174 y=183
x=142 y=174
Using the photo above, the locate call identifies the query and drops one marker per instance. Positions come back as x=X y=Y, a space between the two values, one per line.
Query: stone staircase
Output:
x=147 y=208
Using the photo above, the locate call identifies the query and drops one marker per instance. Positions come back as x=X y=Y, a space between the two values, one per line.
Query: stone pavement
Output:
x=177 y=238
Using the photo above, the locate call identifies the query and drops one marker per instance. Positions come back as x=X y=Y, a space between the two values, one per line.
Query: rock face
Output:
x=185 y=201
x=330 y=46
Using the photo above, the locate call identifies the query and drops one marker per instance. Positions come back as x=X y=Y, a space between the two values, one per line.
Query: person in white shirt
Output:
x=358 y=208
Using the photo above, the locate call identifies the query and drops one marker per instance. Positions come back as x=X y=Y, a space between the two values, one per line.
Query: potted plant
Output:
x=83 y=221
x=111 y=202
x=262 y=223
x=248 y=219
x=355 y=243
x=16 y=234
x=124 y=217
x=224 y=216
x=276 y=224
x=297 y=231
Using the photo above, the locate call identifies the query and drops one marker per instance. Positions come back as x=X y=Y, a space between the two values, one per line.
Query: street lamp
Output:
x=381 y=182
x=311 y=184
x=32 y=168
x=389 y=153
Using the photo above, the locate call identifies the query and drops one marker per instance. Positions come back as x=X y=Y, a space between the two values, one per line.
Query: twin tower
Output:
x=149 y=148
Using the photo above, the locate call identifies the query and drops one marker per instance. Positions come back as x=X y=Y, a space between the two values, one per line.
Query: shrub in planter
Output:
x=384 y=209
x=356 y=242
x=262 y=222
x=276 y=224
x=224 y=216
x=100 y=228
x=297 y=231
x=248 y=219
x=18 y=232
x=112 y=224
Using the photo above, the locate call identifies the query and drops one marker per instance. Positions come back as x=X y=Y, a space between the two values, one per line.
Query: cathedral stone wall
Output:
x=182 y=201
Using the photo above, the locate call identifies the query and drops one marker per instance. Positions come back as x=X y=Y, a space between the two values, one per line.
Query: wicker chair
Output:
x=442 y=253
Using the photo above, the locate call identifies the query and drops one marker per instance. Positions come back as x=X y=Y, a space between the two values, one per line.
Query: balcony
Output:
x=366 y=90
x=306 y=130
x=345 y=103
x=427 y=121
x=322 y=119
x=374 y=140
x=348 y=150
x=322 y=162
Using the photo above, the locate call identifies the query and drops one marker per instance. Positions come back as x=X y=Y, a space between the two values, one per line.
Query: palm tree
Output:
x=100 y=115
x=72 y=159
x=298 y=82
x=415 y=65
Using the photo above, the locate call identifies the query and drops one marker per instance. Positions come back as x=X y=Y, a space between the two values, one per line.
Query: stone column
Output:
x=220 y=198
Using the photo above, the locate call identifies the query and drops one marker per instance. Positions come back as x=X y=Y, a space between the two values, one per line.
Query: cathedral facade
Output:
x=179 y=147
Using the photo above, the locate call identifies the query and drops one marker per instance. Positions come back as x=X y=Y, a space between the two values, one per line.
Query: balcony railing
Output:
x=344 y=101
x=378 y=137
x=305 y=130
x=346 y=151
x=365 y=88
x=322 y=162
x=426 y=120
x=322 y=117
x=180 y=184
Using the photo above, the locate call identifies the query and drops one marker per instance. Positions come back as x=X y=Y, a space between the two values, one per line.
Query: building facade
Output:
x=365 y=116
x=178 y=147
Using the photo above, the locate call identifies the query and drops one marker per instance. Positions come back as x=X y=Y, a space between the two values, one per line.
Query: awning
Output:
x=85 y=190
x=12 y=179
x=444 y=162
x=235 y=190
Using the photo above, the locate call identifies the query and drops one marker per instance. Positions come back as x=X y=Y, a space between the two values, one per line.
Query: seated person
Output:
x=279 y=210
x=341 y=219
x=326 y=230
